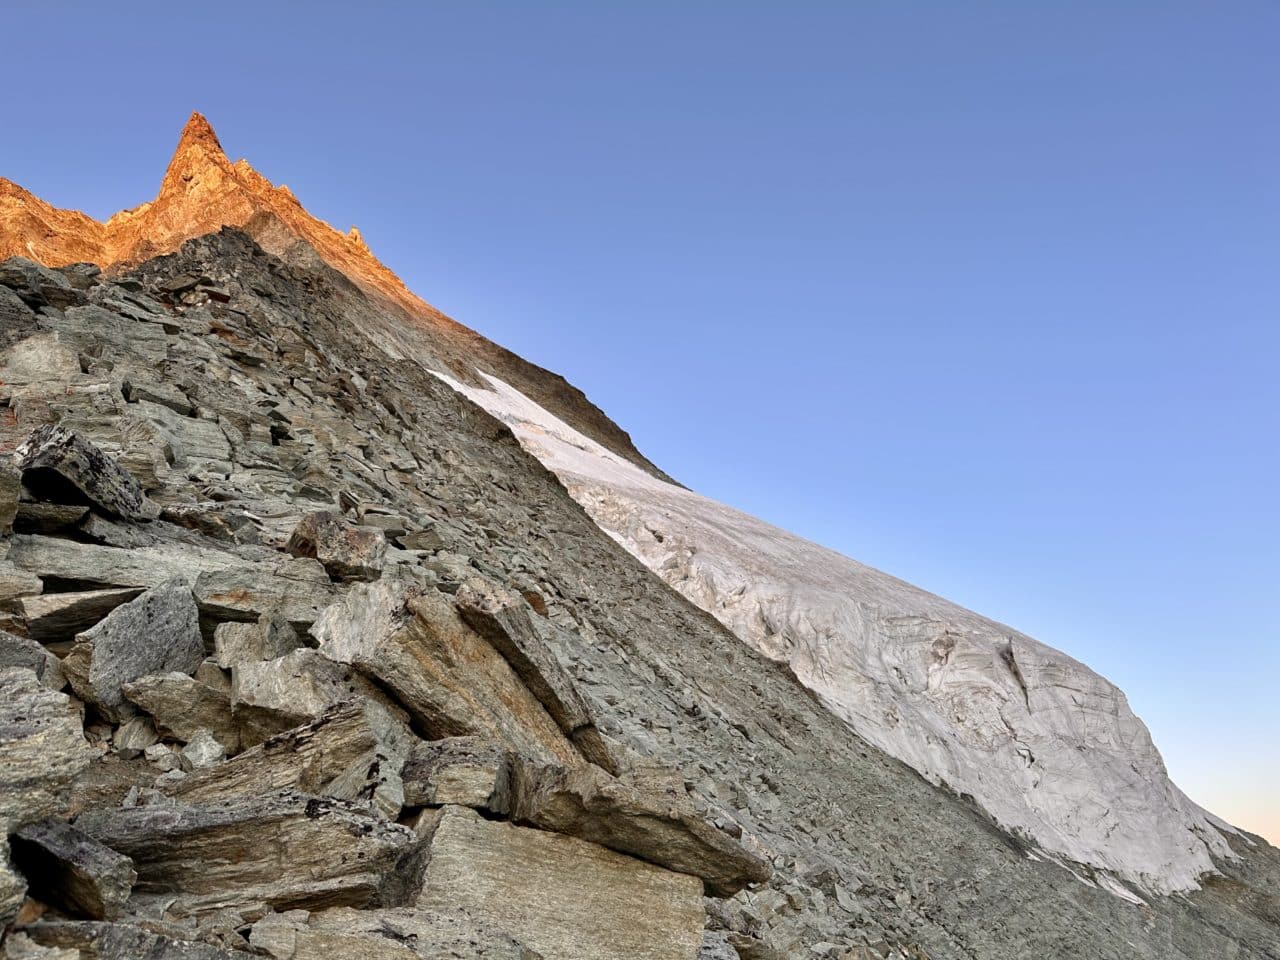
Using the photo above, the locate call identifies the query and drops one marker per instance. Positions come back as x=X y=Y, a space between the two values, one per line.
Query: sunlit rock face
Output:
x=1046 y=746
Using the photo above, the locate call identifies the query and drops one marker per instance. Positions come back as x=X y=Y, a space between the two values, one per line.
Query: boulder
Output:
x=282 y=851
x=238 y=642
x=412 y=642
x=467 y=771
x=72 y=871
x=85 y=565
x=296 y=590
x=37 y=285
x=89 y=940
x=158 y=632
x=24 y=652
x=17 y=320
x=60 y=616
x=390 y=934
x=59 y=466
x=181 y=706
x=42 y=748
x=586 y=802
x=561 y=896
x=347 y=552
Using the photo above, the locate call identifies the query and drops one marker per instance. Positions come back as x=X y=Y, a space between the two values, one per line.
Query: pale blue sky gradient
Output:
x=983 y=294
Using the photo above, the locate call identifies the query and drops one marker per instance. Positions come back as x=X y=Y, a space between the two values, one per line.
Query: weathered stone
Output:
x=27 y=653
x=295 y=590
x=134 y=736
x=13 y=886
x=336 y=755
x=586 y=802
x=17 y=320
x=565 y=898
x=467 y=771
x=37 y=285
x=60 y=466
x=347 y=552
x=428 y=539
x=202 y=751
x=60 y=616
x=16 y=583
x=158 y=632
x=84 y=565
x=42 y=748
x=121 y=941
x=47 y=517
x=505 y=619
x=451 y=681
x=165 y=394
x=237 y=642
x=181 y=706
x=283 y=851
x=10 y=488
x=389 y=934
x=72 y=871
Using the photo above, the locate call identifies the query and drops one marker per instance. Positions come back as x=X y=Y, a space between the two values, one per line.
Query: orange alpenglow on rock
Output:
x=202 y=191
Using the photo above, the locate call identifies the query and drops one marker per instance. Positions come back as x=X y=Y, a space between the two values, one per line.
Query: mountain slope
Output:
x=859 y=843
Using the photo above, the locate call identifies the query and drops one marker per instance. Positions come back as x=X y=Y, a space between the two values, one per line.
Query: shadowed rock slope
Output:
x=350 y=671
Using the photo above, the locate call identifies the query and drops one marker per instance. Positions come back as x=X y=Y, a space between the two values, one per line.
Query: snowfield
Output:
x=1046 y=746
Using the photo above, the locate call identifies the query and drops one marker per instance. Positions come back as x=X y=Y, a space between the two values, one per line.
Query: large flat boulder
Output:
x=158 y=632
x=72 y=871
x=60 y=466
x=282 y=851
x=93 y=940
x=563 y=897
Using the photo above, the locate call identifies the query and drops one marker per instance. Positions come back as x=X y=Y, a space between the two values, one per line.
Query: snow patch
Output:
x=1046 y=746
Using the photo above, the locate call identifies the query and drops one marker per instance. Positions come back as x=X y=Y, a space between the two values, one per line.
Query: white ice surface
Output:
x=1046 y=746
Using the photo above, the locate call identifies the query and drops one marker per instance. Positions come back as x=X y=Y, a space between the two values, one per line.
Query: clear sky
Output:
x=983 y=294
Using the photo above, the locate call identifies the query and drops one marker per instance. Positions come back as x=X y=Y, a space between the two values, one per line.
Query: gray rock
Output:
x=48 y=517
x=72 y=871
x=17 y=320
x=182 y=706
x=24 y=652
x=86 y=565
x=561 y=896
x=158 y=632
x=42 y=748
x=269 y=638
x=37 y=285
x=283 y=851
x=586 y=802
x=59 y=466
x=16 y=583
x=202 y=751
x=347 y=552
x=60 y=616
x=10 y=489
x=134 y=736
x=389 y=934
x=13 y=886
x=466 y=771
x=121 y=941
x=295 y=590
x=506 y=620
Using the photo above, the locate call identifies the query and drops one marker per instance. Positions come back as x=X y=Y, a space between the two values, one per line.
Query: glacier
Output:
x=1047 y=747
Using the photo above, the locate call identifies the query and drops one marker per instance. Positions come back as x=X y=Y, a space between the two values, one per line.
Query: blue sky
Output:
x=983 y=294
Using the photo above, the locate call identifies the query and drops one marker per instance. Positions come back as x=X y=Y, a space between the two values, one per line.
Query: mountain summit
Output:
x=385 y=640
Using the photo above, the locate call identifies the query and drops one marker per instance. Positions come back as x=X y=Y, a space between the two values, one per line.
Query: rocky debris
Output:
x=452 y=682
x=60 y=616
x=202 y=751
x=37 y=285
x=347 y=552
x=561 y=896
x=390 y=934
x=17 y=320
x=281 y=851
x=69 y=870
x=27 y=653
x=465 y=771
x=158 y=632
x=182 y=706
x=134 y=736
x=585 y=802
x=336 y=755
x=10 y=490
x=42 y=748
x=59 y=466
x=505 y=619
x=236 y=642
x=88 y=940
x=294 y=590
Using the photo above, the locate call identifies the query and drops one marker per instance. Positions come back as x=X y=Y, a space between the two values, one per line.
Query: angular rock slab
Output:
x=347 y=552
x=293 y=589
x=505 y=619
x=59 y=616
x=563 y=897
x=158 y=632
x=13 y=886
x=587 y=803
x=121 y=941
x=284 y=851
x=72 y=871
x=452 y=682
x=466 y=771
x=24 y=652
x=392 y=934
x=58 y=465
x=42 y=748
